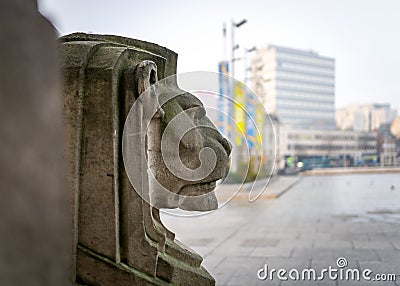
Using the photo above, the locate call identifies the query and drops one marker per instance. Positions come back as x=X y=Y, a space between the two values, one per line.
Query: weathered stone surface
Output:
x=178 y=273
x=34 y=225
x=98 y=270
x=96 y=164
x=183 y=175
x=118 y=235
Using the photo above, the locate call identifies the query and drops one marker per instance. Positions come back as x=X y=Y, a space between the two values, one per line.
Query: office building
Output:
x=295 y=85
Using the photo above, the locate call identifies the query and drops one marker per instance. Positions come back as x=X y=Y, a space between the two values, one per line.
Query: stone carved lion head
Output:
x=184 y=152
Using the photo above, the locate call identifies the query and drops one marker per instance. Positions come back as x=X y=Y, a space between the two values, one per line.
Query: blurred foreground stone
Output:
x=34 y=226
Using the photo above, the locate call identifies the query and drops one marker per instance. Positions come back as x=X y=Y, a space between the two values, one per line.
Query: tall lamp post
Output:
x=234 y=45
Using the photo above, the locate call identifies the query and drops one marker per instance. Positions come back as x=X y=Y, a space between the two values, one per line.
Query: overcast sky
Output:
x=363 y=36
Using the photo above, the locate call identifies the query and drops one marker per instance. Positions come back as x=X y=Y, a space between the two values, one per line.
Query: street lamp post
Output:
x=235 y=46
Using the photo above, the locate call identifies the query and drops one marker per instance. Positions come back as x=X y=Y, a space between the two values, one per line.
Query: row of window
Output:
x=304 y=57
x=321 y=124
x=304 y=97
x=306 y=63
x=309 y=73
x=362 y=138
x=295 y=72
x=305 y=106
x=327 y=147
x=302 y=91
x=300 y=114
x=308 y=82
x=284 y=75
x=310 y=60
x=300 y=68
x=304 y=86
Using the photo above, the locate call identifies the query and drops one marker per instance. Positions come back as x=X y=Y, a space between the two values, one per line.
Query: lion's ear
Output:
x=146 y=75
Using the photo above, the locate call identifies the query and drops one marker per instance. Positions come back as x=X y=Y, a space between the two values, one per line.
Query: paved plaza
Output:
x=311 y=223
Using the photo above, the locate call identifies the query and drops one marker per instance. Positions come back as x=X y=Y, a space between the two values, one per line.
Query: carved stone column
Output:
x=118 y=237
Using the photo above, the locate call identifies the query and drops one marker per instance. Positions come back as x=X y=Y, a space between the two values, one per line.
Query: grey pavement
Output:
x=265 y=189
x=317 y=220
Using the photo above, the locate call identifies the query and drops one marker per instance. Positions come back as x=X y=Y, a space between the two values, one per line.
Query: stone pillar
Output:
x=34 y=221
x=118 y=238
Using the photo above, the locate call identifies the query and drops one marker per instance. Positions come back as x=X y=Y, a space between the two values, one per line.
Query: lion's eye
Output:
x=196 y=113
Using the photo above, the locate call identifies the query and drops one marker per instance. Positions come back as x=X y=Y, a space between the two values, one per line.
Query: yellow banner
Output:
x=259 y=122
x=239 y=114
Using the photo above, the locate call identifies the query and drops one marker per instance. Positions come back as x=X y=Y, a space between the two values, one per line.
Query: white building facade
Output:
x=297 y=86
x=364 y=117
